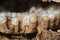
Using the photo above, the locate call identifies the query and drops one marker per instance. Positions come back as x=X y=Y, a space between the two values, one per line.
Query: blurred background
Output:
x=22 y=5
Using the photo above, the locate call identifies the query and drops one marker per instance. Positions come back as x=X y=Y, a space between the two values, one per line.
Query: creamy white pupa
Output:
x=26 y=18
x=44 y=14
x=51 y=13
x=3 y=18
x=32 y=9
x=14 y=14
x=14 y=21
x=57 y=13
x=8 y=14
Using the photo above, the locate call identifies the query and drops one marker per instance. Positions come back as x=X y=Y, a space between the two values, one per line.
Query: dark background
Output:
x=21 y=5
